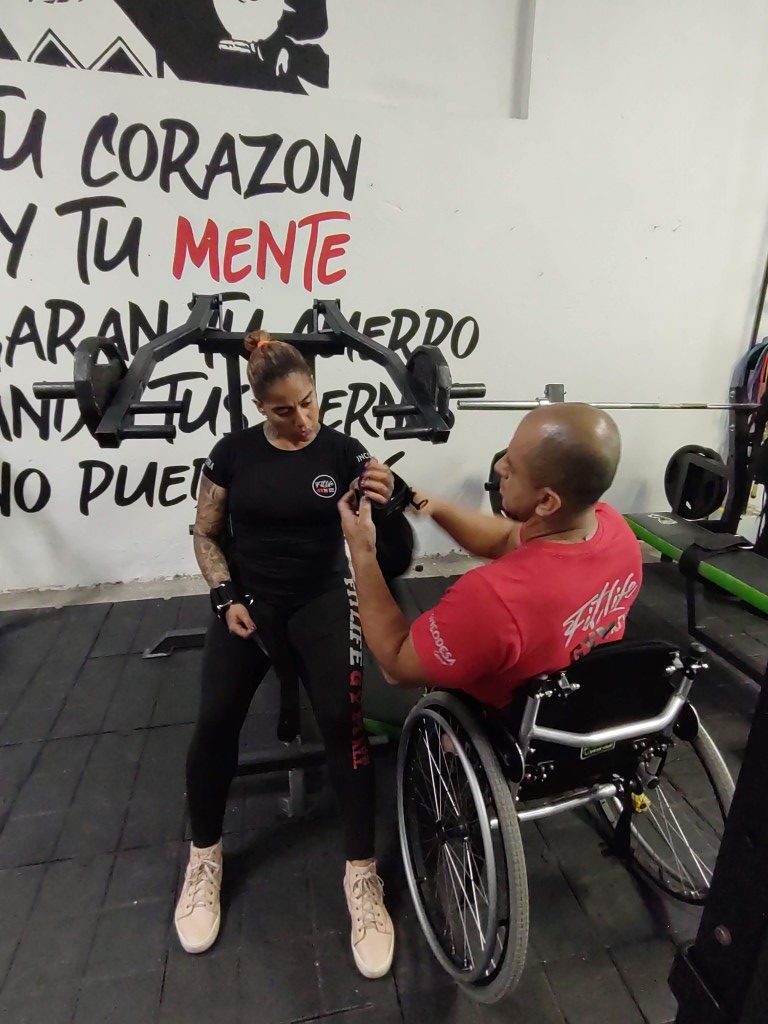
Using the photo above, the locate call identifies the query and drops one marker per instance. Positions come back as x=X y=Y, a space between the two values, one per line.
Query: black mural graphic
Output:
x=255 y=44
x=7 y=51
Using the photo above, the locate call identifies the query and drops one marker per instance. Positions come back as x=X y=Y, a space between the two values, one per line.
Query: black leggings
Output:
x=320 y=641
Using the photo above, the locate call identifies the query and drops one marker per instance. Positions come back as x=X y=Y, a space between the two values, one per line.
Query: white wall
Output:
x=613 y=241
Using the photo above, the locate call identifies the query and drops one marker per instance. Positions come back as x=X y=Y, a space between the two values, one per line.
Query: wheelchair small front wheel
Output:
x=675 y=836
x=461 y=847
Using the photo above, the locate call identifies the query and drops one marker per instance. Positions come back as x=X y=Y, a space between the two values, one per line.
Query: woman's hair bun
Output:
x=257 y=339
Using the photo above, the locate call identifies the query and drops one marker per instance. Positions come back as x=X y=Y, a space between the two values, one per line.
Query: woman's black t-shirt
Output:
x=286 y=542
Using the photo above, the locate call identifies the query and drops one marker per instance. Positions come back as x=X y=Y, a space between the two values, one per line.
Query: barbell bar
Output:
x=555 y=394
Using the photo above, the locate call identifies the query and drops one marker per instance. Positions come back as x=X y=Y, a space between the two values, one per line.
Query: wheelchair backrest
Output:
x=617 y=683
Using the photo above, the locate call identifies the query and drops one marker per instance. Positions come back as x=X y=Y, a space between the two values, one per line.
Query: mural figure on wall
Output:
x=250 y=23
x=255 y=44
x=259 y=44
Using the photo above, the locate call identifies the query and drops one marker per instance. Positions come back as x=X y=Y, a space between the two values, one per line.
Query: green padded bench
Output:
x=725 y=560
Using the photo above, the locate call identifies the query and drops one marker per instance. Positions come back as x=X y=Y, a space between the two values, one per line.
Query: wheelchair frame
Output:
x=549 y=686
x=493 y=767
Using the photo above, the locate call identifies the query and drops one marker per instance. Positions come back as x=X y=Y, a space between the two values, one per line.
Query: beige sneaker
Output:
x=373 y=935
x=198 y=914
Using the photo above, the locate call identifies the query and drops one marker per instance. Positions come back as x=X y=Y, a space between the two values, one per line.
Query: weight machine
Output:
x=109 y=394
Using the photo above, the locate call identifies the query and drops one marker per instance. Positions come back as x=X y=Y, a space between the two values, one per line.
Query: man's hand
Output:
x=239 y=622
x=357 y=524
x=377 y=482
x=423 y=505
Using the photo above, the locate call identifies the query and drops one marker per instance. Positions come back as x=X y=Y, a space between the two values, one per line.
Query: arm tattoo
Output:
x=209 y=526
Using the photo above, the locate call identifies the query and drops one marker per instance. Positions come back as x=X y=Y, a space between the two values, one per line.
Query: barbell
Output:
x=555 y=394
x=696 y=481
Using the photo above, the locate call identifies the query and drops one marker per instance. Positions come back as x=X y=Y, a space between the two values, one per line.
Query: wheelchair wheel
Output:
x=461 y=848
x=676 y=838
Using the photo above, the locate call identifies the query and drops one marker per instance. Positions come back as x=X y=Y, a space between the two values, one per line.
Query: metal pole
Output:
x=233 y=392
x=502 y=405
x=676 y=405
x=499 y=406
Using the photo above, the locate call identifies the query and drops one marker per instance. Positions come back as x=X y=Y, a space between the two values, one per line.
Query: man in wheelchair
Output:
x=563 y=570
x=556 y=712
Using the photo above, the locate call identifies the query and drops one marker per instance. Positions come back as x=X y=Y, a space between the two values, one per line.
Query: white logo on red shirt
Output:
x=324 y=486
x=610 y=601
x=441 y=650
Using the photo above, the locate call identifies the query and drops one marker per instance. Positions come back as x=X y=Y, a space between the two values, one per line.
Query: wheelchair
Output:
x=616 y=731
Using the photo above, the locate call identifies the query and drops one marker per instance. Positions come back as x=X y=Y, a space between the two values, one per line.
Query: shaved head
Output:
x=568 y=449
x=571 y=448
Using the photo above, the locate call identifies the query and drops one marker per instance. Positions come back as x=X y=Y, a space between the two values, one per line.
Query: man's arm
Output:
x=209 y=526
x=385 y=628
x=481 y=535
x=478 y=645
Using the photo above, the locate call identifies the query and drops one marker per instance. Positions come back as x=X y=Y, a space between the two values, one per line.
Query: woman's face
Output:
x=290 y=407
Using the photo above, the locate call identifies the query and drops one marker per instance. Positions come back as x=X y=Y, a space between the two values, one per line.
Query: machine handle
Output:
x=400 y=433
x=156 y=407
x=468 y=391
x=163 y=432
x=53 y=389
x=395 y=410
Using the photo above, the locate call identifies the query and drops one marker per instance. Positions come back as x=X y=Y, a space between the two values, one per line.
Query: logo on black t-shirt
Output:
x=324 y=486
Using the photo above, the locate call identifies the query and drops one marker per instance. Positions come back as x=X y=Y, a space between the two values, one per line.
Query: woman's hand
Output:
x=377 y=482
x=239 y=622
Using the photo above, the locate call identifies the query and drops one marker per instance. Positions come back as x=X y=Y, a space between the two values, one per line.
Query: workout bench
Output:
x=724 y=560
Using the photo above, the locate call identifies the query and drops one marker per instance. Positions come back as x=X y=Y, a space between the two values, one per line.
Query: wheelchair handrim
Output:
x=416 y=716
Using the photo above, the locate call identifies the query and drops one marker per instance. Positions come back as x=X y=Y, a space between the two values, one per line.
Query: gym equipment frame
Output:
x=109 y=394
x=109 y=397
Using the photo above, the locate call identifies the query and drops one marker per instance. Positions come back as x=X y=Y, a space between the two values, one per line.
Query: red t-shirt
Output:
x=534 y=610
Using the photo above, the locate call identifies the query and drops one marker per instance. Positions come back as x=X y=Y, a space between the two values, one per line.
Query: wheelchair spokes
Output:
x=454 y=837
x=669 y=825
x=675 y=838
x=458 y=883
x=451 y=845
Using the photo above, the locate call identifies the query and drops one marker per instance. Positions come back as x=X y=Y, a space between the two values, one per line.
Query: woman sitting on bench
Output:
x=282 y=595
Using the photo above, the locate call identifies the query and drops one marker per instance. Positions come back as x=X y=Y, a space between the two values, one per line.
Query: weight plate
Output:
x=704 y=491
x=492 y=485
x=430 y=377
x=96 y=383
